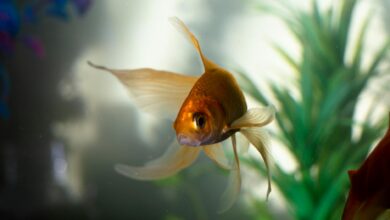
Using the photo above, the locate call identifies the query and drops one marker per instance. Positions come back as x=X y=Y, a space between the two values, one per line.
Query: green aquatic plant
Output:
x=317 y=125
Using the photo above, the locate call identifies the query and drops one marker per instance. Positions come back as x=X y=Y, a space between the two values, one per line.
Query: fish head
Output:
x=200 y=121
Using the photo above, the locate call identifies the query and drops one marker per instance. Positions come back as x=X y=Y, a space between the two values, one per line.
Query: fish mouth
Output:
x=185 y=140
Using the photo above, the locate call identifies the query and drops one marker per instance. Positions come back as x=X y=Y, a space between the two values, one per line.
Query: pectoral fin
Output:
x=242 y=143
x=259 y=138
x=176 y=158
x=255 y=117
x=216 y=153
x=250 y=126
x=232 y=190
x=157 y=92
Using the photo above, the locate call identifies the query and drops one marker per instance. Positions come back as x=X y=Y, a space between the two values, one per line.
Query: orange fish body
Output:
x=369 y=196
x=216 y=98
x=205 y=110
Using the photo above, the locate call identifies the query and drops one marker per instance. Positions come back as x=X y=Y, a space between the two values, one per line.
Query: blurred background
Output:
x=64 y=125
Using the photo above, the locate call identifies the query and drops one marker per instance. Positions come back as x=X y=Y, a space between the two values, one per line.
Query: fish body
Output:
x=216 y=98
x=204 y=111
x=369 y=195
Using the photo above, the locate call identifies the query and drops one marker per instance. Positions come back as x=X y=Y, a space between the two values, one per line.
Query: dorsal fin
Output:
x=182 y=28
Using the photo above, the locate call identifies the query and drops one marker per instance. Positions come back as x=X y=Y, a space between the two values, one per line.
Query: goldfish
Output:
x=369 y=195
x=205 y=111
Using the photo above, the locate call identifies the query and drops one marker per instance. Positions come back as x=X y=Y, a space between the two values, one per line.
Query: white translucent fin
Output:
x=182 y=28
x=215 y=152
x=242 y=143
x=255 y=117
x=157 y=92
x=260 y=139
x=175 y=158
x=232 y=190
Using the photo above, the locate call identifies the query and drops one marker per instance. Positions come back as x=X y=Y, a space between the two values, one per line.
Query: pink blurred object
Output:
x=36 y=45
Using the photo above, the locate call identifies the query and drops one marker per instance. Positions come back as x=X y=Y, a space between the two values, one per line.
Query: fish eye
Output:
x=199 y=119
